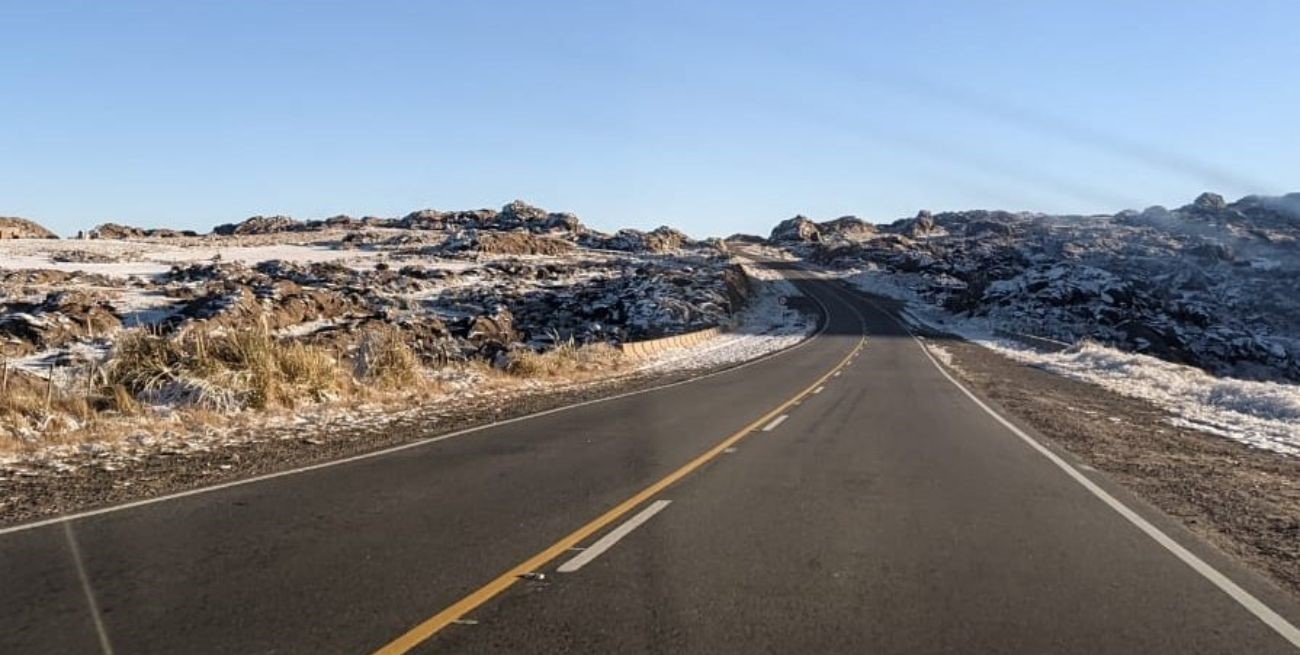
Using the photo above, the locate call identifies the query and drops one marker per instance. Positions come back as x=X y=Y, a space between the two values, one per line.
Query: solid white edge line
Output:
x=775 y=422
x=105 y=646
x=416 y=444
x=606 y=542
x=1244 y=598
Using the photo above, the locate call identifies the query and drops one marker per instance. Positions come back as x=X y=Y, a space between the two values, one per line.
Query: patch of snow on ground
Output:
x=148 y=259
x=137 y=307
x=1260 y=414
x=41 y=363
x=766 y=325
x=940 y=353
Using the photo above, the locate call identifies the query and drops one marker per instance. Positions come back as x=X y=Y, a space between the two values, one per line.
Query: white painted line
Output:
x=606 y=542
x=1225 y=584
x=775 y=422
x=105 y=646
x=416 y=444
x=837 y=373
x=818 y=390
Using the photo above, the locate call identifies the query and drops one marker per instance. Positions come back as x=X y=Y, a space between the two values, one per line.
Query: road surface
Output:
x=845 y=496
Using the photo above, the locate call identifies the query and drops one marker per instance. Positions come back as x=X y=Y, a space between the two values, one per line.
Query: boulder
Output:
x=921 y=226
x=494 y=330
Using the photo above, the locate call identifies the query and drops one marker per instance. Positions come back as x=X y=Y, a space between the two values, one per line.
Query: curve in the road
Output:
x=426 y=629
x=74 y=516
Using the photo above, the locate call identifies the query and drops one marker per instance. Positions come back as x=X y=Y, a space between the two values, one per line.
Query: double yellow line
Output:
x=460 y=608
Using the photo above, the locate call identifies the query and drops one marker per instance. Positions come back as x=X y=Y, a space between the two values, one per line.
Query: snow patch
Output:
x=1263 y=415
x=765 y=326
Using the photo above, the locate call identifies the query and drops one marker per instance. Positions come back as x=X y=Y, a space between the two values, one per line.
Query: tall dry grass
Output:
x=224 y=372
x=29 y=404
x=385 y=359
x=220 y=374
x=567 y=361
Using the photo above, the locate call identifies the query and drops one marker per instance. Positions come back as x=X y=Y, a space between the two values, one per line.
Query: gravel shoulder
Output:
x=1243 y=500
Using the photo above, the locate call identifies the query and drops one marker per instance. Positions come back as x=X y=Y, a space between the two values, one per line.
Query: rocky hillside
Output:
x=532 y=230
x=20 y=228
x=1211 y=284
x=463 y=284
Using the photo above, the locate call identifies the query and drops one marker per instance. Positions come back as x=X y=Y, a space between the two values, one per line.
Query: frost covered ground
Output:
x=765 y=326
x=153 y=258
x=1210 y=284
x=1264 y=415
x=153 y=338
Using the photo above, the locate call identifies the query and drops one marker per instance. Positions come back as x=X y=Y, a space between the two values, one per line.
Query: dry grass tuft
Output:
x=123 y=402
x=224 y=372
x=567 y=360
x=28 y=405
x=210 y=377
x=386 y=360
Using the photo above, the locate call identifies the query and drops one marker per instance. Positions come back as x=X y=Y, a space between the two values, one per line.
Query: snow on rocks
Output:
x=1261 y=414
x=1208 y=284
x=461 y=291
x=766 y=325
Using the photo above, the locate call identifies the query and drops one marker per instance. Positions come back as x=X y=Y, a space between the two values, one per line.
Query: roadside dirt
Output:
x=1245 y=501
x=90 y=484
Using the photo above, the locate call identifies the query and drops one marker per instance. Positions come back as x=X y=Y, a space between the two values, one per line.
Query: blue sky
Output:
x=713 y=117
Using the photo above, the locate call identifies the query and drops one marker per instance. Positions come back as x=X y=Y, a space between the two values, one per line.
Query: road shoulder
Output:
x=1245 y=502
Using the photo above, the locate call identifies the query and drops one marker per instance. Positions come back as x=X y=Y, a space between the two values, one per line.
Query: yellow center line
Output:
x=460 y=608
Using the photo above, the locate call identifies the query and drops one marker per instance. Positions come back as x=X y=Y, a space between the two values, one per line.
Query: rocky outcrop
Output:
x=1207 y=284
x=922 y=226
x=517 y=243
x=796 y=230
x=661 y=239
x=62 y=317
x=850 y=228
x=455 y=285
x=115 y=231
x=1211 y=202
x=12 y=227
x=500 y=243
x=260 y=225
x=516 y=216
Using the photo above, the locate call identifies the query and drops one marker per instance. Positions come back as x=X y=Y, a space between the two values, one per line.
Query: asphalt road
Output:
x=827 y=499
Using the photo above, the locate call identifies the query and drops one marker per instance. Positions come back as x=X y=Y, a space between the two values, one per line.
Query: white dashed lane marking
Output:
x=606 y=542
x=775 y=422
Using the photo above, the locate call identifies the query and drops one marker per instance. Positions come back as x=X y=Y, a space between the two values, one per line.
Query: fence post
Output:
x=49 y=388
